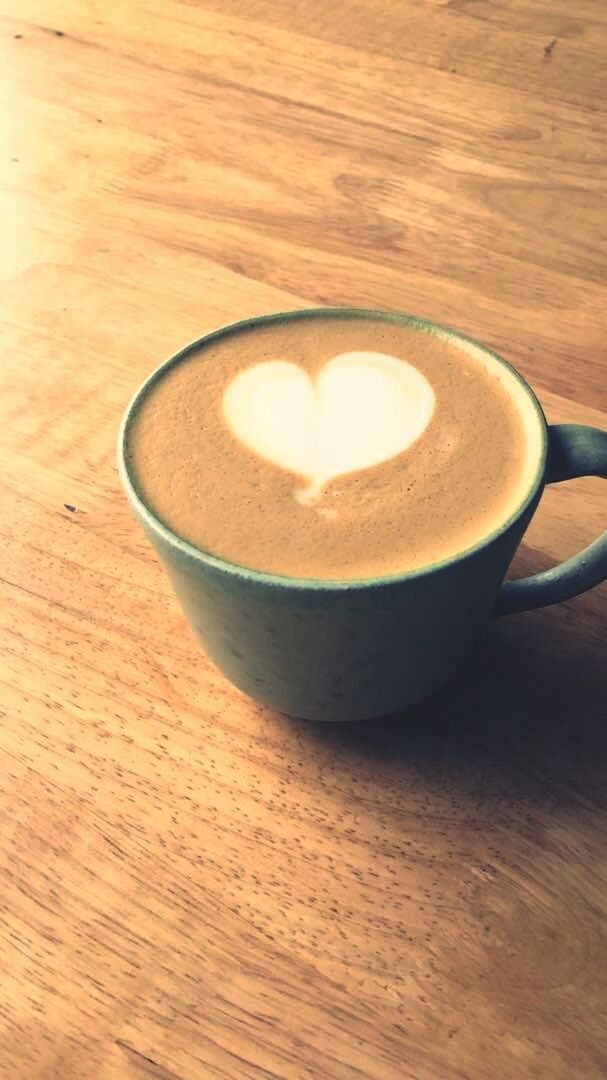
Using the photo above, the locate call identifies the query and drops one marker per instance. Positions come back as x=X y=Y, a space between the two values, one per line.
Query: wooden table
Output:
x=191 y=886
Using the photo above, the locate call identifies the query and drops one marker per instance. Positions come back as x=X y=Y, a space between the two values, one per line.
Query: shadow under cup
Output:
x=341 y=650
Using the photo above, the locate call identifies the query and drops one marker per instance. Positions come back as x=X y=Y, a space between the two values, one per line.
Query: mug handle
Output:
x=573 y=450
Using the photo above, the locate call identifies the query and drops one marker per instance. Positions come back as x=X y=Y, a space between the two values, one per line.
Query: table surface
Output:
x=192 y=886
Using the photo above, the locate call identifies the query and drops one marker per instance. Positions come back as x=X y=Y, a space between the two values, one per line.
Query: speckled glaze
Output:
x=341 y=651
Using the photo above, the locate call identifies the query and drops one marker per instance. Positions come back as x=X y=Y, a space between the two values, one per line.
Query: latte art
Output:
x=362 y=409
x=335 y=447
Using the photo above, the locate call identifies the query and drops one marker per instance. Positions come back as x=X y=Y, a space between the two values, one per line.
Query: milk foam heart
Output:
x=363 y=409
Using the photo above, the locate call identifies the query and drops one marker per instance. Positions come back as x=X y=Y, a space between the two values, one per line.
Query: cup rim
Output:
x=262 y=577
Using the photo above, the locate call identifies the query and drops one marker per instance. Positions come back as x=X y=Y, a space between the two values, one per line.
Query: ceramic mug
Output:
x=350 y=650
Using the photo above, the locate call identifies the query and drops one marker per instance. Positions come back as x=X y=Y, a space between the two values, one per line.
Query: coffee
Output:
x=335 y=446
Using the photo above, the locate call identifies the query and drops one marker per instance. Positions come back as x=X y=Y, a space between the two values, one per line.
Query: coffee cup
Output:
x=332 y=649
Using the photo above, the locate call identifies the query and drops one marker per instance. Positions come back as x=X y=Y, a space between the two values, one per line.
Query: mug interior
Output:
x=521 y=393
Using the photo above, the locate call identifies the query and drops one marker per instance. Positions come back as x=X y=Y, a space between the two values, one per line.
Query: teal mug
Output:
x=351 y=650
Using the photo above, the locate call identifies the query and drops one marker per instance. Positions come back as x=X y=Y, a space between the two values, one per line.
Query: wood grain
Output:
x=190 y=886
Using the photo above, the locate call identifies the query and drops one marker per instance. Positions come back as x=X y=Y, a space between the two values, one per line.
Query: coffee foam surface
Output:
x=362 y=409
x=242 y=450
